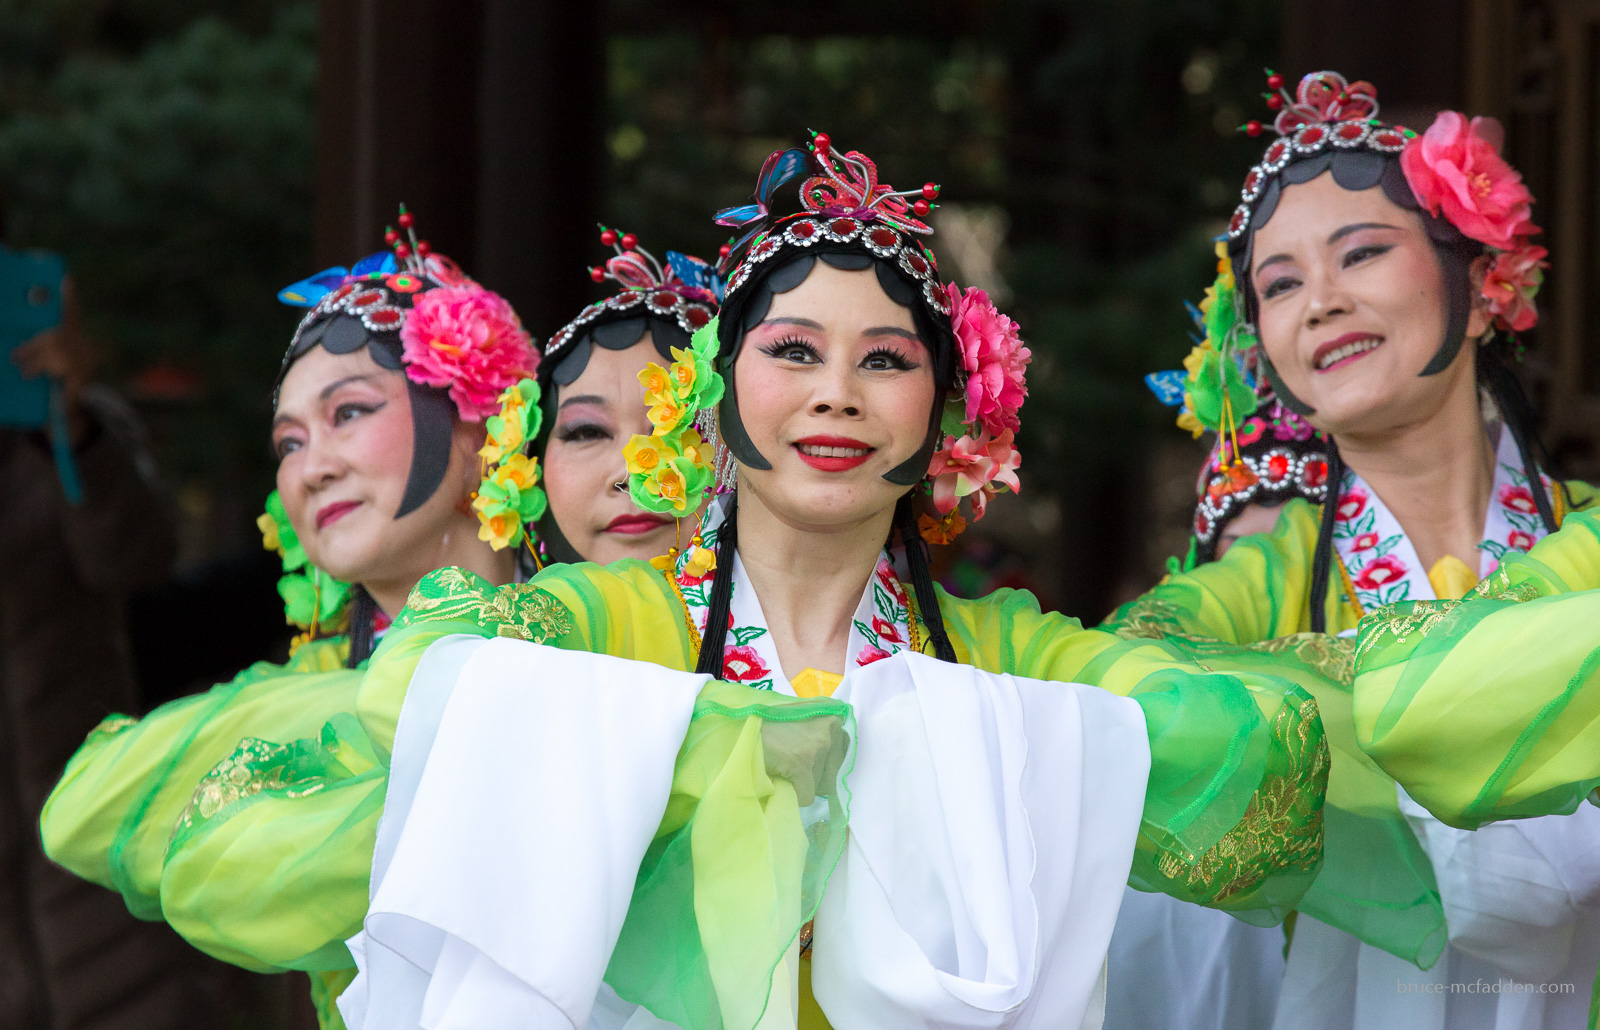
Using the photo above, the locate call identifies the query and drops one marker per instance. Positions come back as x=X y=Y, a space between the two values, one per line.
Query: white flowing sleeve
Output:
x=1513 y=891
x=525 y=786
x=991 y=833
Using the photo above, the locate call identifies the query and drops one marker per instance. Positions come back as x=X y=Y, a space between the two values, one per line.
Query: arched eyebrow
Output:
x=1333 y=237
x=803 y=323
x=583 y=398
x=892 y=330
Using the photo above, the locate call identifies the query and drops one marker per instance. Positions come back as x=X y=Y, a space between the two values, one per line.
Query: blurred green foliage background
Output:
x=1087 y=151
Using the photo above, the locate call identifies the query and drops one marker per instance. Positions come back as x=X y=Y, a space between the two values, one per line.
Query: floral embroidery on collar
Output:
x=879 y=628
x=1383 y=565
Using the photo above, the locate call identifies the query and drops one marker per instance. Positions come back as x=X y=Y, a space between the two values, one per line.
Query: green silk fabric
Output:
x=1489 y=707
x=1376 y=882
x=270 y=860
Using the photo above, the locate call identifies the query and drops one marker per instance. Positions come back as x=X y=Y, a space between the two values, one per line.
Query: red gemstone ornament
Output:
x=697 y=316
x=1274 y=81
x=1274 y=101
x=608 y=238
x=385 y=319
x=725 y=250
x=405 y=220
x=921 y=208
x=664 y=300
x=930 y=190
x=1252 y=128
x=629 y=241
x=1278 y=466
x=391 y=237
x=402 y=251
x=822 y=141
x=597 y=274
x=424 y=248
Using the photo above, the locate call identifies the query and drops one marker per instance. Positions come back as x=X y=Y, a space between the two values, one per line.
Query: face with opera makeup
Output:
x=1353 y=305
x=585 y=475
x=835 y=388
x=342 y=434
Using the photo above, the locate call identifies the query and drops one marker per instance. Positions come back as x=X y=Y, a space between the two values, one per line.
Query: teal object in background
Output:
x=30 y=302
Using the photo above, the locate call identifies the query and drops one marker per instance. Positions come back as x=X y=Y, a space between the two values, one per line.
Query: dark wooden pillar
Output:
x=541 y=130
x=397 y=123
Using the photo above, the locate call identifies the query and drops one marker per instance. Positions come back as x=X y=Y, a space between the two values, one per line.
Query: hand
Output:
x=807 y=753
x=63 y=352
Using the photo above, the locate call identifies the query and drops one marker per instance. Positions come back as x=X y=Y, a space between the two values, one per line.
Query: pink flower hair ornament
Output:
x=979 y=455
x=416 y=310
x=1454 y=169
x=467 y=340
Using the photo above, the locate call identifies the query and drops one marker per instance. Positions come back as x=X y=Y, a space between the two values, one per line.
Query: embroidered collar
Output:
x=881 y=626
x=1383 y=565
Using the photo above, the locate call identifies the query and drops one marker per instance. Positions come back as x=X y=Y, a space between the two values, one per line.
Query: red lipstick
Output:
x=833 y=453
x=637 y=523
x=1318 y=356
x=334 y=512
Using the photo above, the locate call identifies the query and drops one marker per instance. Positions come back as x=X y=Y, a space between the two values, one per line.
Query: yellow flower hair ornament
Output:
x=509 y=498
x=671 y=470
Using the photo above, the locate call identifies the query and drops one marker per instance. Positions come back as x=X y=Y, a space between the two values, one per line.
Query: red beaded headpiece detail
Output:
x=1324 y=112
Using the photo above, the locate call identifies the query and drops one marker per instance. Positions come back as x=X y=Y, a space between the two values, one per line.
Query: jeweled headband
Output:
x=672 y=300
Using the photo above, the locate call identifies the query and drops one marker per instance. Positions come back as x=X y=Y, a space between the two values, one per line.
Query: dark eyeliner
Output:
x=900 y=361
x=784 y=343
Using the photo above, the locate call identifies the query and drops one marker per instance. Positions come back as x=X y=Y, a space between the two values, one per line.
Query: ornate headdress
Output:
x=851 y=220
x=1453 y=174
x=673 y=301
x=669 y=301
x=461 y=347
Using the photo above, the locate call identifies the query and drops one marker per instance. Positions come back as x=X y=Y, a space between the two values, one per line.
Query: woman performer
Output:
x=353 y=369
x=1198 y=967
x=848 y=374
x=1375 y=292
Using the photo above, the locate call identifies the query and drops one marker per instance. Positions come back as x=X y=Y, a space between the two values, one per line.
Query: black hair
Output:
x=743 y=312
x=1361 y=170
x=362 y=611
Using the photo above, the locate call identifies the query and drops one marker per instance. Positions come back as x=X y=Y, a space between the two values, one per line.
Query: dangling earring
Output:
x=464 y=504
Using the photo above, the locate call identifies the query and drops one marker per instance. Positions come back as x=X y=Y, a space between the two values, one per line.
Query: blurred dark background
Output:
x=189 y=157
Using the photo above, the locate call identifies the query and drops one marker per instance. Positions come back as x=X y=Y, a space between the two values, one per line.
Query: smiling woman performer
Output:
x=376 y=427
x=843 y=373
x=1375 y=290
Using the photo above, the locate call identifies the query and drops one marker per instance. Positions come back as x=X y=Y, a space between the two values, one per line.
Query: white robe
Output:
x=993 y=820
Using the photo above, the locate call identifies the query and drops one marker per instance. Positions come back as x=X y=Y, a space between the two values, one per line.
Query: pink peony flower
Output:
x=1379 y=572
x=1456 y=169
x=995 y=360
x=1518 y=498
x=468 y=339
x=1513 y=281
x=1351 y=505
x=1364 y=542
x=1517 y=540
x=741 y=664
x=869 y=655
x=891 y=582
x=887 y=630
x=968 y=464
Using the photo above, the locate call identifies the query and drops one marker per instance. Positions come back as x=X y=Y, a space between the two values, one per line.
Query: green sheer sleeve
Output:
x=111 y=815
x=1489 y=707
x=1258 y=590
x=1233 y=811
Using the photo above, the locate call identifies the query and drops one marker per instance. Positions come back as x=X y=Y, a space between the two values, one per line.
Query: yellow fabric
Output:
x=811 y=1017
x=1489 y=707
x=816 y=683
x=1450 y=577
